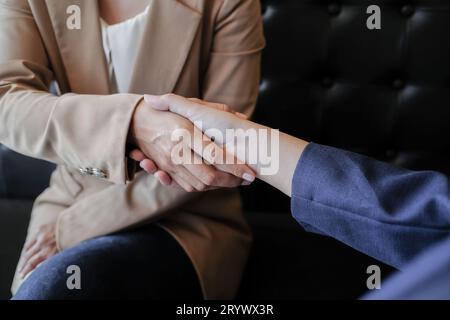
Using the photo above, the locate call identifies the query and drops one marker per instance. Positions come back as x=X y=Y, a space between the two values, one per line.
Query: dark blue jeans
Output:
x=144 y=263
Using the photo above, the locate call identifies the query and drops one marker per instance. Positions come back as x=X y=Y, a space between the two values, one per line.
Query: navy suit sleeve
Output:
x=389 y=213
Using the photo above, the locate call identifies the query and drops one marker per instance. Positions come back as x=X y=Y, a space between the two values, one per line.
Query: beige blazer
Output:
x=196 y=48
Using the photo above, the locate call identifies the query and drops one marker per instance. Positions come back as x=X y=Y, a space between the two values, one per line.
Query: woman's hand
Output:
x=38 y=249
x=153 y=130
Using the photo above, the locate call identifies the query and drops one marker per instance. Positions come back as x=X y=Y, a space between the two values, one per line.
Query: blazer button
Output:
x=98 y=173
x=407 y=10
x=85 y=171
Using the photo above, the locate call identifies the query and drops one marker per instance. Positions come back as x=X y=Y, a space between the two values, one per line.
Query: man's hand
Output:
x=38 y=249
x=152 y=132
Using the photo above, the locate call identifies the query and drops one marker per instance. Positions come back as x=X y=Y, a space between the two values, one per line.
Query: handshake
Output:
x=183 y=143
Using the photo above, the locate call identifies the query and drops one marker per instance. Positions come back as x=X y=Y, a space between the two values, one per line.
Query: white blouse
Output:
x=121 y=43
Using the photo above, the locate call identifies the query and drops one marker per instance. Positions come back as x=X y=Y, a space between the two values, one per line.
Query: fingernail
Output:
x=246 y=183
x=249 y=177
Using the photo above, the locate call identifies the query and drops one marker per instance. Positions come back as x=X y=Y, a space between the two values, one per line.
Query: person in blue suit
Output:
x=397 y=216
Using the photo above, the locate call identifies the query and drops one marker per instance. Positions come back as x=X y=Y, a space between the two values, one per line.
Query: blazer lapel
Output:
x=170 y=31
x=81 y=50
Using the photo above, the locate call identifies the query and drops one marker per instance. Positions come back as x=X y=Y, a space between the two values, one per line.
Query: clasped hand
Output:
x=153 y=135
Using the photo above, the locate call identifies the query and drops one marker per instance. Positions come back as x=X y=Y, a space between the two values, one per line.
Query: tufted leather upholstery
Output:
x=326 y=78
x=383 y=93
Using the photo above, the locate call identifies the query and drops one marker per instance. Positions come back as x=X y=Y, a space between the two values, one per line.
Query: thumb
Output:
x=156 y=102
x=176 y=104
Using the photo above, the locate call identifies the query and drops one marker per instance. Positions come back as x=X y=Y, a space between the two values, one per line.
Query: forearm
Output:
x=386 y=212
x=75 y=130
x=65 y=130
x=291 y=149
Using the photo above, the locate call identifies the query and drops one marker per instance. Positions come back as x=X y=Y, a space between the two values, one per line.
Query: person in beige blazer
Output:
x=208 y=49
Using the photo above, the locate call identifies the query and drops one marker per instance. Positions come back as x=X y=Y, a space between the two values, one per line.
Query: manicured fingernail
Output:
x=246 y=183
x=248 y=177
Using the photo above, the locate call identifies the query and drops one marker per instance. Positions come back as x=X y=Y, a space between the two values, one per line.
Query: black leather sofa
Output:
x=328 y=79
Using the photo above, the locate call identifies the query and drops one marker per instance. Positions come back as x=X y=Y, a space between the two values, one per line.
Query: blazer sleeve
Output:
x=79 y=131
x=233 y=73
x=389 y=213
